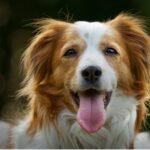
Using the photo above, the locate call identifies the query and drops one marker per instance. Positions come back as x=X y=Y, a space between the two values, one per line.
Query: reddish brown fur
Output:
x=46 y=98
x=137 y=44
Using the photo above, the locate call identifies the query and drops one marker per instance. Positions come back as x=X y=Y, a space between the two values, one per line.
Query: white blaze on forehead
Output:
x=92 y=34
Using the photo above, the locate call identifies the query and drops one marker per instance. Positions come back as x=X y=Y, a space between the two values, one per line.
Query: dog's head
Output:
x=80 y=65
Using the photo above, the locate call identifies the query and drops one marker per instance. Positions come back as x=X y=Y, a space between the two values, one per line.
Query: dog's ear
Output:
x=137 y=44
x=37 y=57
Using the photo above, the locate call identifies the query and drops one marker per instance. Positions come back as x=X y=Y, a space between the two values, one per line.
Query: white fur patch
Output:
x=142 y=141
x=4 y=134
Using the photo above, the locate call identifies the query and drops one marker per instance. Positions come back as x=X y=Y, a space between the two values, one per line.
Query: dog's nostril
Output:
x=91 y=74
x=97 y=73
x=85 y=73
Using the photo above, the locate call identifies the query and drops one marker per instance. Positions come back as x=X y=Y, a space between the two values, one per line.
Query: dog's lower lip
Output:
x=107 y=98
x=75 y=97
x=91 y=92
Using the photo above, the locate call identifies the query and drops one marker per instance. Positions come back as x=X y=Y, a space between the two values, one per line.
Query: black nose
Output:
x=91 y=74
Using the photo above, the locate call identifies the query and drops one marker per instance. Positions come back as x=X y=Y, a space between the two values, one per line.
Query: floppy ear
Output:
x=37 y=57
x=137 y=43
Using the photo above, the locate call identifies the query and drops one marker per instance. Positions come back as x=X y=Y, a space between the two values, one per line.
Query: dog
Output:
x=87 y=84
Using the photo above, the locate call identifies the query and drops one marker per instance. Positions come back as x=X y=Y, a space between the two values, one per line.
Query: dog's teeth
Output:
x=105 y=101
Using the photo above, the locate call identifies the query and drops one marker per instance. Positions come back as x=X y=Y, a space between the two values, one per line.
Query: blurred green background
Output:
x=14 y=35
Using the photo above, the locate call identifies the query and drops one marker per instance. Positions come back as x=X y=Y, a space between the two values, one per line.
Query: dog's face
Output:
x=91 y=58
x=88 y=62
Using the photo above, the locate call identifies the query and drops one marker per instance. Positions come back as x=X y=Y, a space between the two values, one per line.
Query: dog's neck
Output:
x=118 y=132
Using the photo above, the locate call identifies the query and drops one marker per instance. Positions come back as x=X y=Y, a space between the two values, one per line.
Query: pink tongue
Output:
x=91 y=114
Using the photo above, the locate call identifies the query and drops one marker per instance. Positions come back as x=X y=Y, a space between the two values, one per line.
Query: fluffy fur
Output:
x=5 y=132
x=51 y=75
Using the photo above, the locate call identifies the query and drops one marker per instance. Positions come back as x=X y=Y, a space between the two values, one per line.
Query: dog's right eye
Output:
x=70 y=53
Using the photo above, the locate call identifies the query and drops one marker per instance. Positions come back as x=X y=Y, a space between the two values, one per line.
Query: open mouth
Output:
x=92 y=106
x=91 y=92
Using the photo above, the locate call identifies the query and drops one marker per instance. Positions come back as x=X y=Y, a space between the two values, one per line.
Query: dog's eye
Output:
x=110 y=51
x=70 y=53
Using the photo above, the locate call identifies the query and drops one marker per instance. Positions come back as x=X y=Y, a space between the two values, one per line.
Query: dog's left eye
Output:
x=110 y=51
x=70 y=53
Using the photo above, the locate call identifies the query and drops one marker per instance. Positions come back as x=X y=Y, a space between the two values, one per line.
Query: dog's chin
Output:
x=91 y=104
